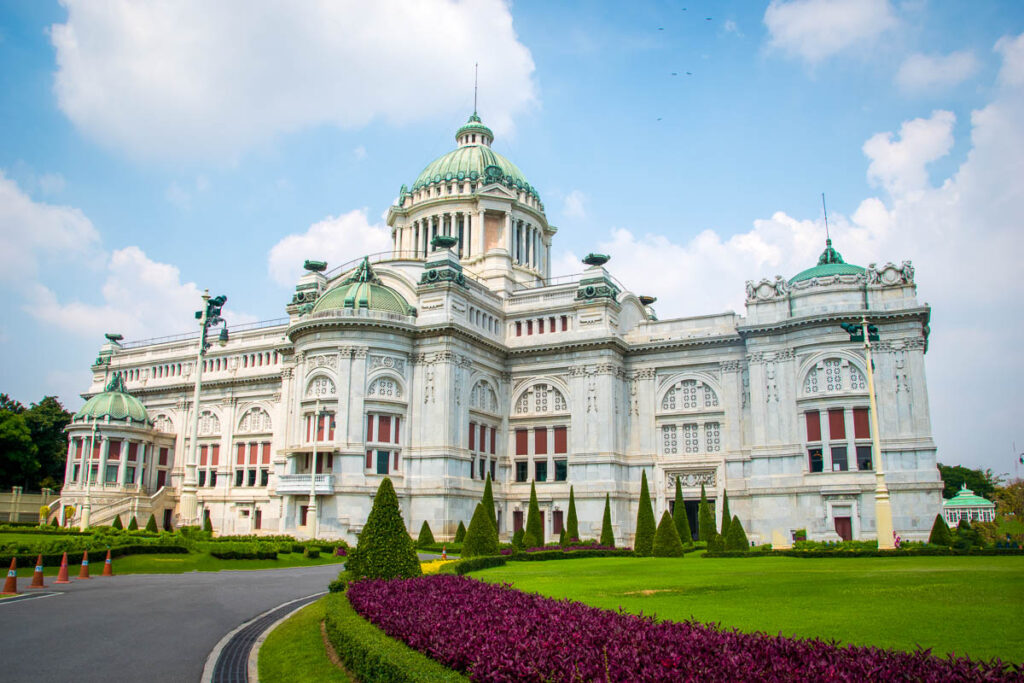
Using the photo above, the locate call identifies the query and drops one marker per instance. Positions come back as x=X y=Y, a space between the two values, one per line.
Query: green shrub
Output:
x=474 y=563
x=54 y=522
x=726 y=517
x=488 y=502
x=940 y=533
x=716 y=544
x=517 y=539
x=705 y=518
x=480 y=538
x=666 y=540
x=572 y=530
x=151 y=524
x=426 y=536
x=607 y=535
x=545 y=555
x=207 y=524
x=385 y=550
x=117 y=522
x=133 y=524
x=737 y=537
x=311 y=553
x=339 y=584
x=644 y=542
x=561 y=537
x=298 y=548
x=460 y=533
x=534 y=536
x=679 y=515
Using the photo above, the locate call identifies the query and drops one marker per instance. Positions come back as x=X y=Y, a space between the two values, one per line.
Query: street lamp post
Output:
x=207 y=317
x=311 y=512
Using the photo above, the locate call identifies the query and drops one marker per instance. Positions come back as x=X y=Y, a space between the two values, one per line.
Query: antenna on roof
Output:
x=827 y=237
x=476 y=74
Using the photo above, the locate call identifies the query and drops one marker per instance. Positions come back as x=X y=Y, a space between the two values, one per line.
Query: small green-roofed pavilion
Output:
x=968 y=505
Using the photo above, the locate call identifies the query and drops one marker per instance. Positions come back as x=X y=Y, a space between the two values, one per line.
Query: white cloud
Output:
x=178 y=196
x=816 y=29
x=359 y=153
x=1012 y=50
x=900 y=166
x=574 y=206
x=336 y=239
x=730 y=27
x=201 y=79
x=920 y=73
x=51 y=183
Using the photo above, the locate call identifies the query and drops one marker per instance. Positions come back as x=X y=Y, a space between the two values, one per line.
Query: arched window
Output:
x=208 y=423
x=483 y=397
x=541 y=398
x=832 y=375
x=689 y=394
x=384 y=388
x=320 y=386
x=255 y=419
x=162 y=423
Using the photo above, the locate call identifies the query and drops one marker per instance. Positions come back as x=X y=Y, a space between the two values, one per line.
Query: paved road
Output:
x=148 y=627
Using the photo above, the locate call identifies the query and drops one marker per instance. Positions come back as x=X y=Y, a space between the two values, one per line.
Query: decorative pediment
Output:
x=766 y=289
x=890 y=274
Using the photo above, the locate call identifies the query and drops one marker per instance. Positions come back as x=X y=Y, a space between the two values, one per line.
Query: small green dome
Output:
x=363 y=291
x=967 y=498
x=115 y=402
x=829 y=263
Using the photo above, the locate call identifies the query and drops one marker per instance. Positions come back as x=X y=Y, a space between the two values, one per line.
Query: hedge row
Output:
x=472 y=564
x=96 y=555
x=915 y=552
x=545 y=555
x=371 y=655
x=244 y=554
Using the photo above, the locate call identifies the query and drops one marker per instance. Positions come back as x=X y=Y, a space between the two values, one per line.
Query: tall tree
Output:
x=572 y=529
x=982 y=482
x=645 y=527
x=385 y=549
x=19 y=464
x=607 y=534
x=726 y=517
x=705 y=518
x=679 y=515
x=1010 y=499
x=46 y=421
x=10 y=405
x=534 y=536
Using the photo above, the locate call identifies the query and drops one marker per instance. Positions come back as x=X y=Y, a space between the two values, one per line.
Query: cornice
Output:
x=922 y=313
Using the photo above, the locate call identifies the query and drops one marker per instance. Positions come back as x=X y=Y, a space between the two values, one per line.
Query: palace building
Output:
x=456 y=355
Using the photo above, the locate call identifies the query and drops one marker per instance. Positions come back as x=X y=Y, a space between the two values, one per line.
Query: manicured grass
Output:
x=29 y=539
x=294 y=651
x=967 y=605
x=178 y=564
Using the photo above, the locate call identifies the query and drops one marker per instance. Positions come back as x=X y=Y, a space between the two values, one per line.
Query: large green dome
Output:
x=363 y=290
x=829 y=263
x=115 y=402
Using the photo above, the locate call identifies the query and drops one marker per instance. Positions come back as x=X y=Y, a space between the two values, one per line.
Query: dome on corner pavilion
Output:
x=363 y=290
x=115 y=403
x=829 y=263
x=471 y=161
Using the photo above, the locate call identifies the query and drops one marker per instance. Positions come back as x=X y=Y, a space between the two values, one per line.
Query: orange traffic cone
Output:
x=108 y=567
x=84 y=572
x=62 y=574
x=37 y=575
x=444 y=555
x=11 y=584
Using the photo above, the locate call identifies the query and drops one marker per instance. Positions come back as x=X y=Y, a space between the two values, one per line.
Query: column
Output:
x=69 y=466
x=508 y=234
x=122 y=463
x=101 y=475
x=460 y=230
x=140 y=467
x=481 y=228
x=468 y=218
x=536 y=250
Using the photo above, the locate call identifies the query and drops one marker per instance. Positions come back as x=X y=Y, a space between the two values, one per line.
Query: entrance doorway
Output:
x=168 y=517
x=844 y=528
x=691 y=514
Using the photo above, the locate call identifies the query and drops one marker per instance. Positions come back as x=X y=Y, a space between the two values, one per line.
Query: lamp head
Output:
x=222 y=339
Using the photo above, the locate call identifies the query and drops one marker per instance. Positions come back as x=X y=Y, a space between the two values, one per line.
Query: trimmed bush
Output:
x=151 y=524
x=568 y=554
x=607 y=535
x=534 y=536
x=310 y=553
x=460 y=533
x=561 y=537
x=679 y=515
x=716 y=544
x=572 y=528
x=385 y=550
x=644 y=541
x=472 y=564
x=517 y=539
x=207 y=524
x=940 y=533
x=705 y=518
x=666 y=540
x=133 y=524
x=488 y=503
x=726 y=517
x=54 y=522
x=426 y=537
x=480 y=538
x=737 y=537
x=117 y=523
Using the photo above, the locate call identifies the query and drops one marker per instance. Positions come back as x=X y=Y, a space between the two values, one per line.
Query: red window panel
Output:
x=565 y=323
x=540 y=326
x=494 y=433
x=369 y=428
x=561 y=440
x=529 y=327
x=384 y=429
x=397 y=421
x=472 y=436
x=133 y=451
x=522 y=437
x=551 y=321
x=253 y=452
x=215 y=454
x=96 y=446
x=519 y=329
x=483 y=438
x=369 y=460
x=114 y=450
x=309 y=428
x=861 y=424
x=813 y=425
x=395 y=467
x=163 y=457
x=240 y=457
x=266 y=453
x=540 y=440
x=320 y=463
x=836 y=424
x=78 y=448
x=202 y=456
x=320 y=427
x=331 y=424
x=557 y=521
x=517 y=520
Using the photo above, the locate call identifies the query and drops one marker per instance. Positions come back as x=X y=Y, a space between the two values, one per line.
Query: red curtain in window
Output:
x=369 y=428
x=836 y=424
x=565 y=323
x=813 y=426
x=369 y=459
x=493 y=437
x=163 y=456
x=540 y=440
x=472 y=436
x=240 y=456
x=96 y=449
x=540 y=326
x=396 y=462
x=397 y=421
x=384 y=429
x=215 y=454
x=561 y=434
x=330 y=426
x=309 y=428
x=78 y=448
x=320 y=427
x=133 y=451
x=202 y=456
x=254 y=455
x=861 y=424
x=266 y=453
x=114 y=450
x=522 y=437
x=529 y=327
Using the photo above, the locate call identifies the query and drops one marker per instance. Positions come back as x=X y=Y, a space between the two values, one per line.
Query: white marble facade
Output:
x=572 y=378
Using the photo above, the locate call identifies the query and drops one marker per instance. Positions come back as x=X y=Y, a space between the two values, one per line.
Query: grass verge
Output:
x=294 y=651
x=178 y=564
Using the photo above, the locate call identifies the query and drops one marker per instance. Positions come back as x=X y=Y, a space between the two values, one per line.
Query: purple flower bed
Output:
x=496 y=633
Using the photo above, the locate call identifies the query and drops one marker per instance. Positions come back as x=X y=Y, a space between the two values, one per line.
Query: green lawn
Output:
x=966 y=605
x=177 y=564
x=29 y=539
x=294 y=651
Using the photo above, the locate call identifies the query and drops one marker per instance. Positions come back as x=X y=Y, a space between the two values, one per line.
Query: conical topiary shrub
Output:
x=460 y=533
x=517 y=539
x=679 y=515
x=561 y=537
x=116 y=524
x=940 y=533
x=716 y=543
x=480 y=539
x=737 y=538
x=607 y=534
x=705 y=518
x=151 y=524
x=426 y=537
x=385 y=550
x=207 y=524
x=54 y=522
x=645 y=528
x=534 y=535
x=133 y=524
x=488 y=503
x=666 y=538
x=726 y=517
x=572 y=529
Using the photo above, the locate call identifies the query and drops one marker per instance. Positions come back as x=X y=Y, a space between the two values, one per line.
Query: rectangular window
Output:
x=561 y=440
x=382 y=462
x=540 y=470
x=202 y=456
x=266 y=453
x=540 y=440
x=253 y=455
x=519 y=329
x=395 y=464
x=258 y=519
x=77 y=470
x=565 y=323
x=472 y=436
x=264 y=477
x=202 y=477
x=522 y=470
x=129 y=476
x=215 y=455
x=839 y=463
x=397 y=421
x=251 y=477
x=483 y=437
x=320 y=419
x=369 y=427
x=114 y=450
x=369 y=459
x=239 y=476
x=529 y=327
x=813 y=426
x=213 y=478
x=522 y=438
x=384 y=429
x=836 y=424
x=133 y=451
x=540 y=326
x=561 y=470
x=816 y=461
x=303 y=515
x=861 y=424
x=517 y=520
x=556 y=520
x=483 y=468
x=493 y=463
x=494 y=432
x=240 y=454
x=863 y=457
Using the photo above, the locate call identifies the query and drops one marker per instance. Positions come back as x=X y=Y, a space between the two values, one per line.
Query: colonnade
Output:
x=133 y=459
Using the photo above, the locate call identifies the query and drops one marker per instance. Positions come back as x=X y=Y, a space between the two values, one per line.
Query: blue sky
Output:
x=149 y=150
